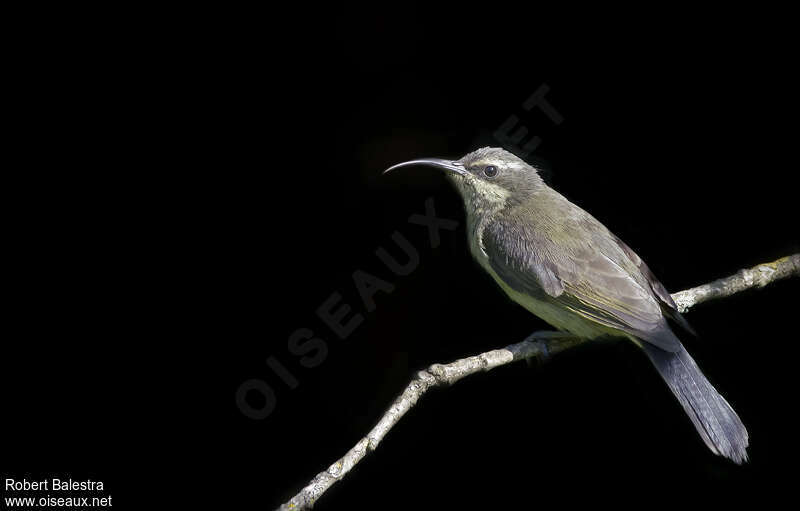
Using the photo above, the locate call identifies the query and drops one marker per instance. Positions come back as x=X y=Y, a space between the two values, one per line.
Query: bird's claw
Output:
x=541 y=341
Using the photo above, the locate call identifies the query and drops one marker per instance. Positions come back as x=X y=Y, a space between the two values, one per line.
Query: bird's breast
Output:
x=552 y=313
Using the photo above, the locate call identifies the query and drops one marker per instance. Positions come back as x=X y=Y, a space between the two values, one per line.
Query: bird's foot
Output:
x=543 y=340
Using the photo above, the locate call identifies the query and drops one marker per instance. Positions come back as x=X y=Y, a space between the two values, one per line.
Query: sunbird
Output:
x=564 y=266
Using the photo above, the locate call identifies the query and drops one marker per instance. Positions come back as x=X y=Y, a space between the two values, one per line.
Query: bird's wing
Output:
x=592 y=277
x=667 y=303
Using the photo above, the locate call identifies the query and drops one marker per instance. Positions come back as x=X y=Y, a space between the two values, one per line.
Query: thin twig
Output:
x=757 y=276
x=447 y=374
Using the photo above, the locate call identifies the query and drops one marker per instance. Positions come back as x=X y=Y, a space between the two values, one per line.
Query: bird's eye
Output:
x=490 y=171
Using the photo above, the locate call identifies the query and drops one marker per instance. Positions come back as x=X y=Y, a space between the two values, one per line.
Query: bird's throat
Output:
x=481 y=197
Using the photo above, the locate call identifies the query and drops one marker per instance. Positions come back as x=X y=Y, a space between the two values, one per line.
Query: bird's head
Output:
x=488 y=178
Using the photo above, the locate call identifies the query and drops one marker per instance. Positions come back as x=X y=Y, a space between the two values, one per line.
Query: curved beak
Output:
x=452 y=166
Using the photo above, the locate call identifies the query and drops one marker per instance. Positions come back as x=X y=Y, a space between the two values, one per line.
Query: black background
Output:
x=186 y=189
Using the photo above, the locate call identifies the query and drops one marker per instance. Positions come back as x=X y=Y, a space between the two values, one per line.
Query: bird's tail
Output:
x=715 y=420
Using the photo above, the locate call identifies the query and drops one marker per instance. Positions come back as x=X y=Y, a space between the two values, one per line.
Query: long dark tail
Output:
x=715 y=420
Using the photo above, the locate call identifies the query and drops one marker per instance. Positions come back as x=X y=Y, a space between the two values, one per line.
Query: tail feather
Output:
x=712 y=416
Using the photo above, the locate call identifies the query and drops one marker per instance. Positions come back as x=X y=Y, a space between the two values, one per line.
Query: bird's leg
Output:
x=545 y=341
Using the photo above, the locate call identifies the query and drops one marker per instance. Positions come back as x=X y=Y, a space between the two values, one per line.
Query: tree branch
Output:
x=757 y=276
x=447 y=374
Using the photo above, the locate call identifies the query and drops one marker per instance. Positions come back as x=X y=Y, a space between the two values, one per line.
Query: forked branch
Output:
x=446 y=374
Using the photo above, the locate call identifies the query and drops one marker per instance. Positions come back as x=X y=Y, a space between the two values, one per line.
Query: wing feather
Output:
x=667 y=303
x=592 y=276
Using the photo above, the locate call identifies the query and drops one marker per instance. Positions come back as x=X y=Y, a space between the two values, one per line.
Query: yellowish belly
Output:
x=560 y=318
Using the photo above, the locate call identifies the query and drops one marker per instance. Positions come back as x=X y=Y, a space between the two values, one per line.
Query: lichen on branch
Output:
x=536 y=346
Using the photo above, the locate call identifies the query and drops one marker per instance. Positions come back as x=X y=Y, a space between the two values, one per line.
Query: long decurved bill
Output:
x=452 y=166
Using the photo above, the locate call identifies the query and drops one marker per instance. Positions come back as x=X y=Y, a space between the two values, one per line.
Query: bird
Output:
x=564 y=266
